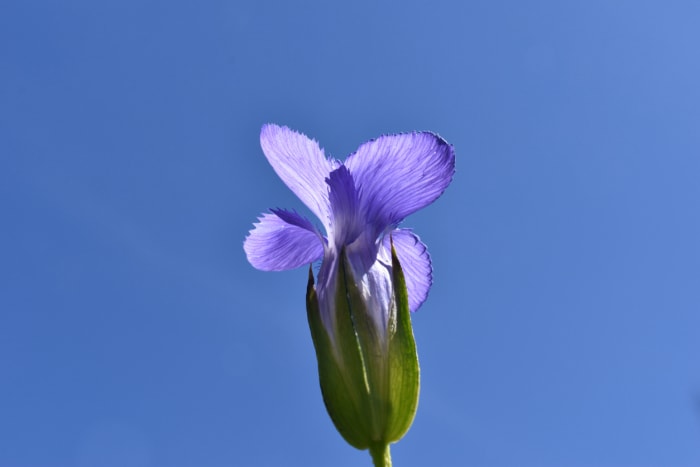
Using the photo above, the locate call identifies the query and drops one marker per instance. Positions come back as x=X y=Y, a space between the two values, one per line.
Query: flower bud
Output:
x=369 y=376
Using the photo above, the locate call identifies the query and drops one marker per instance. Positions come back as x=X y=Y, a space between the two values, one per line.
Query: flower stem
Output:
x=380 y=455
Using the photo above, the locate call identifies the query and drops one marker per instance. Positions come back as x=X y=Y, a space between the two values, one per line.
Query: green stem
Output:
x=380 y=455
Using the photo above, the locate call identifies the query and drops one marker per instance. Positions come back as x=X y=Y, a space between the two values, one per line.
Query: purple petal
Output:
x=294 y=218
x=400 y=174
x=281 y=241
x=346 y=222
x=301 y=164
x=348 y=227
x=415 y=262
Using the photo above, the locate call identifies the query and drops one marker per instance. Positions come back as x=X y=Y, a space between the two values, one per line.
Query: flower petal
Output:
x=283 y=240
x=399 y=174
x=301 y=164
x=345 y=223
x=415 y=262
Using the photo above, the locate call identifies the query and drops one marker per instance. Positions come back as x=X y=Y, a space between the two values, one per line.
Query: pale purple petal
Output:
x=415 y=262
x=399 y=174
x=301 y=164
x=376 y=289
x=282 y=241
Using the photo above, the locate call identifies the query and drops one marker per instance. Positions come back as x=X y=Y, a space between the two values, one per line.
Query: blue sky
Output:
x=563 y=327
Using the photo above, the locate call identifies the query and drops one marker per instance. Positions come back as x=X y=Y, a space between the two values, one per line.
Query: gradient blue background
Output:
x=563 y=327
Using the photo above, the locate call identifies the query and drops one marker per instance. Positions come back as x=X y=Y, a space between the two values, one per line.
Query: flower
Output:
x=360 y=203
x=372 y=272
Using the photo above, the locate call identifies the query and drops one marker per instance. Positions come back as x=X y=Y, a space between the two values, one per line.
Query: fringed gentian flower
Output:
x=372 y=272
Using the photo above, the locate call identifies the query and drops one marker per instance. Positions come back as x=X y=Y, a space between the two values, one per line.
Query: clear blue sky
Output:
x=563 y=327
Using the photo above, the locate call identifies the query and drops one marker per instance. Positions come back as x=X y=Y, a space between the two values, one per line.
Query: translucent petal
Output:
x=301 y=164
x=398 y=174
x=282 y=240
x=416 y=265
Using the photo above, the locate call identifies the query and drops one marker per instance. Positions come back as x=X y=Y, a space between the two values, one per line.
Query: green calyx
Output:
x=369 y=377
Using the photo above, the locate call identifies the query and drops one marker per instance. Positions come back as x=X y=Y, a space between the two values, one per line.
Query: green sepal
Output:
x=340 y=370
x=404 y=387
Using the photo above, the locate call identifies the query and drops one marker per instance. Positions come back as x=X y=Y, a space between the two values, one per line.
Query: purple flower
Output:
x=360 y=203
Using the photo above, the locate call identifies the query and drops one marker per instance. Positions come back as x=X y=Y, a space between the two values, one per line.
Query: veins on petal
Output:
x=300 y=163
x=294 y=218
x=415 y=262
x=275 y=244
x=400 y=174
